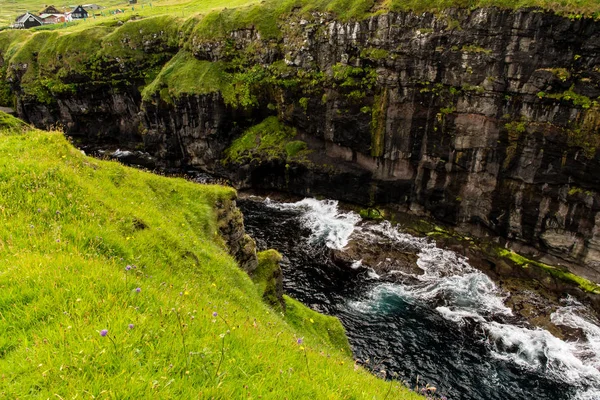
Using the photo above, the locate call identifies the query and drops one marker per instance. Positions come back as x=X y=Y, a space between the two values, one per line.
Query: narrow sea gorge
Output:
x=445 y=325
x=359 y=199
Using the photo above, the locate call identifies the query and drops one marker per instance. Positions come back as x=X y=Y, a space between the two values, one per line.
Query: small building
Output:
x=26 y=21
x=92 y=7
x=77 y=13
x=50 y=10
x=53 y=18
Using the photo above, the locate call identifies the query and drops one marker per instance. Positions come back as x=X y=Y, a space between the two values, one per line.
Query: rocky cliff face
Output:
x=487 y=119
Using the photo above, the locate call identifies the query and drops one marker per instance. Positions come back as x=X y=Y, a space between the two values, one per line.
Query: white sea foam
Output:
x=588 y=394
x=465 y=293
x=588 y=349
x=458 y=315
x=325 y=220
x=372 y=274
x=537 y=349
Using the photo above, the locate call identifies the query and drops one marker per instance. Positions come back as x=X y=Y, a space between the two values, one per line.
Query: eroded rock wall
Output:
x=485 y=119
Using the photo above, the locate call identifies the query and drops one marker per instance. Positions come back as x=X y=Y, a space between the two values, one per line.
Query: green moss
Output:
x=184 y=74
x=350 y=77
x=267 y=277
x=378 y=124
x=269 y=17
x=303 y=103
x=453 y=24
x=7 y=98
x=475 y=49
x=472 y=88
x=371 y=213
x=143 y=41
x=10 y=124
x=59 y=62
x=574 y=190
x=447 y=110
x=558 y=273
x=374 y=54
x=25 y=58
x=515 y=129
x=570 y=95
x=268 y=140
x=69 y=56
x=561 y=73
x=295 y=147
x=587 y=135
x=328 y=330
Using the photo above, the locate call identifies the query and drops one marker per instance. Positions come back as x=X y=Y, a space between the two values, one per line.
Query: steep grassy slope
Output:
x=115 y=284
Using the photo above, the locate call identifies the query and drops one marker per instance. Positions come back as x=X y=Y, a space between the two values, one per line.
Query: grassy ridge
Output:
x=183 y=322
x=106 y=50
x=265 y=12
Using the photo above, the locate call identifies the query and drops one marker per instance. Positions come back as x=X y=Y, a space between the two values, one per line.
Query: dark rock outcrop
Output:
x=231 y=228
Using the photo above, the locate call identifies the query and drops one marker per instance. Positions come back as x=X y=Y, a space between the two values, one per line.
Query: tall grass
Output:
x=114 y=283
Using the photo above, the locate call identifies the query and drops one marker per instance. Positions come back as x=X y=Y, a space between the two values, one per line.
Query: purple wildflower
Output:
x=299 y=341
x=131 y=326
x=138 y=289
x=214 y=314
x=104 y=332
x=127 y=268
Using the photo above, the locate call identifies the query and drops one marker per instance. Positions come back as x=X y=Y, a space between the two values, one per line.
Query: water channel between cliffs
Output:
x=447 y=325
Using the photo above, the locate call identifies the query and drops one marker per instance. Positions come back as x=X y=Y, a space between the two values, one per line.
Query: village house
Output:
x=26 y=21
x=78 y=13
x=51 y=15
x=50 y=10
x=92 y=7
x=49 y=19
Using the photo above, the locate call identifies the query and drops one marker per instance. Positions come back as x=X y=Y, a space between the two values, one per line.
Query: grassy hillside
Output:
x=114 y=283
x=9 y=9
x=53 y=61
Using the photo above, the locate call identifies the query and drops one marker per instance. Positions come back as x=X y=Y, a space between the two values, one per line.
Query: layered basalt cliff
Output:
x=485 y=119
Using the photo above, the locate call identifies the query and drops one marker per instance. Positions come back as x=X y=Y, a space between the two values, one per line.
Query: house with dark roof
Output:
x=51 y=15
x=26 y=21
x=78 y=13
x=50 y=10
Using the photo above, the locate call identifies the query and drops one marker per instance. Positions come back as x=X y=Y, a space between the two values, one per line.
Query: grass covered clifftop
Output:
x=10 y=9
x=115 y=283
x=156 y=48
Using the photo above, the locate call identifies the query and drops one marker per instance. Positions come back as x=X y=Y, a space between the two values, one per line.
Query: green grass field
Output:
x=9 y=9
x=183 y=322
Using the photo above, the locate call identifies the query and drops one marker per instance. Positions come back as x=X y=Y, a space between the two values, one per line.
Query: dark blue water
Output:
x=406 y=337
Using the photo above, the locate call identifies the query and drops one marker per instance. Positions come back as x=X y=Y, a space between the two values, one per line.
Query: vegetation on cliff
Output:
x=267 y=140
x=116 y=283
x=344 y=9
